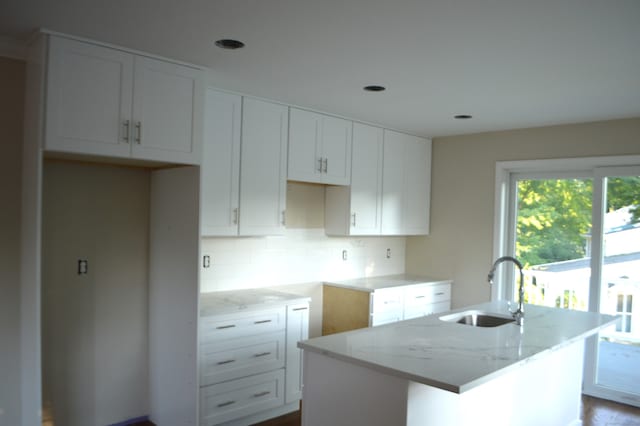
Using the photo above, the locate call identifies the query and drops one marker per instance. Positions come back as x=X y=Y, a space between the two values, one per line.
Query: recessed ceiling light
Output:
x=462 y=116
x=374 y=88
x=229 y=44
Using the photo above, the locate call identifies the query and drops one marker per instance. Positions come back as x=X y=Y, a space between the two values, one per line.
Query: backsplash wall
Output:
x=301 y=259
x=300 y=256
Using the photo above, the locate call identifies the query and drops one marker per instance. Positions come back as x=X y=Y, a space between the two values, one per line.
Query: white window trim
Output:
x=547 y=168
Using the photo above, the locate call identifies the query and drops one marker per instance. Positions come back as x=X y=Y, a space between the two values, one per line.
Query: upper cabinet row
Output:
x=382 y=177
x=390 y=186
x=109 y=102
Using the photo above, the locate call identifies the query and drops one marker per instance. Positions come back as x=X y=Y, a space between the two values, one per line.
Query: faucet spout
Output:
x=519 y=313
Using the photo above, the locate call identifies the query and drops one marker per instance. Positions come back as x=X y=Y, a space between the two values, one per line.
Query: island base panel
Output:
x=543 y=391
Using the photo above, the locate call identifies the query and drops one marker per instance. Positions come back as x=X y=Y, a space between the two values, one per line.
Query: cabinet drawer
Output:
x=386 y=317
x=242 y=397
x=231 y=359
x=387 y=300
x=428 y=309
x=421 y=295
x=242 y=324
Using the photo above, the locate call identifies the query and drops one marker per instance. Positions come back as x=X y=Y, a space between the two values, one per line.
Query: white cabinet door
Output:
x=305 y=155
x=220 y=168
x=393 y=193
x=357 y=209
x=366 y=180
x=297 y=330
x=406 y=184
x=89 y=94
x=319 y=148
x=263 y=173
x=417 y=186
x=168 y=105
x=107 y=102
x=336 y=150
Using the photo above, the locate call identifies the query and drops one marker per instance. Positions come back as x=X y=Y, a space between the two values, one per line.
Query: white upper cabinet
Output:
x=406 y=186
x=108 y=102
x=356 y=210
x=319 y=148
x=243 y=166
x=263 y=171
x=220 y=169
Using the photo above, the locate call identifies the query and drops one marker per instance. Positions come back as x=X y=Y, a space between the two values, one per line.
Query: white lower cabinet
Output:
x=239 y=398
x=250 y=365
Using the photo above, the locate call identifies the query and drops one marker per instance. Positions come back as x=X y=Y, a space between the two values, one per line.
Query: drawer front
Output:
x=385 y=317
x=231 y=359
x=422 y=295
x=242 y=397
x=235 y=325
x=424 y=310
x=388 y=299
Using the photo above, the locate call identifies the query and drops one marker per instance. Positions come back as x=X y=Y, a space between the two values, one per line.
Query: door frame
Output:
x=596 y=168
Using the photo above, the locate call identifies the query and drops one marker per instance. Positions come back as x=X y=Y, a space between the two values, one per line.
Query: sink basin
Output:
x=478 y=319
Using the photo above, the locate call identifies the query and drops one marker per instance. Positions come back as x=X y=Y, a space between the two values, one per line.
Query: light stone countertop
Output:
x=458 y=357
x=224 y=302
x=371 y=284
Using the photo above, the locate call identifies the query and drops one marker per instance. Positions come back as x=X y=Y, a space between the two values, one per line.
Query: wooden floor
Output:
x=595 y=412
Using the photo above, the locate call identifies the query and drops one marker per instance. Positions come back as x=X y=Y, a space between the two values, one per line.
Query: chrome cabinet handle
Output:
x=420 y=297
x=138 y=132
x=300 y=309
x=326 y=165
x=262 y=322
x=320 y=164
x=235 y=216
x=228 y=361
x=224 y=404
x=284 y=217
x=222 y=327
x=125 y=135
x=440 y=293
x=353 y=219
x=259 y=394
x=262 y=354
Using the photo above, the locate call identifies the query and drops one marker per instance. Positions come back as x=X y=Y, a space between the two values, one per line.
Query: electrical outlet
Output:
x=83 y=266
x=388 y=253
x=344 y=255
x=206 y=261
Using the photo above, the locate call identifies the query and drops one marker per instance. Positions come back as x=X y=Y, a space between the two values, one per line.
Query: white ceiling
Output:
x=509 y=63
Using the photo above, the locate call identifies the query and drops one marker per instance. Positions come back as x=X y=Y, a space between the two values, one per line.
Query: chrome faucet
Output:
x=518 y=315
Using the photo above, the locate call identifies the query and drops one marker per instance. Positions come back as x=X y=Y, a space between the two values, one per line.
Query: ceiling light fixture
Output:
x=229 y=44
x=462 y=116
x=374 y=88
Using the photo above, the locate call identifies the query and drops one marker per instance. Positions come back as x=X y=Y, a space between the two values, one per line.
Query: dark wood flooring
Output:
x=595 y=412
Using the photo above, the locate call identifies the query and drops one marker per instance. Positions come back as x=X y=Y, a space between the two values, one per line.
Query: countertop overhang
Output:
x=457 y=357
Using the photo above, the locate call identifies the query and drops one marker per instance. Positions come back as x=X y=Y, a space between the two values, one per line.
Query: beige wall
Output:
x=94 y=326
x=12 y=74
x=462 y=198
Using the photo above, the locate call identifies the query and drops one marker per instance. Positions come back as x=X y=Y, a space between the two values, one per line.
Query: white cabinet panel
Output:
x=406 y=187
x=357 y=210
x=297 y=330
x=108 y=102
x=167 y=111
x=242 y=397
x=89 y=99
x=336 y=150
x=229 y=359
x=232 y=326
x=263 y=168
x=319 y=148
x=220 y=170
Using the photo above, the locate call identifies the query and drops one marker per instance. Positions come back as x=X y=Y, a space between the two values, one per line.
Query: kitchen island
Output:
x=428 y=371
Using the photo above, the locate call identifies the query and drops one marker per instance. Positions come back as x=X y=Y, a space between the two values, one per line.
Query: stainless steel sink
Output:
x=478 y=319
